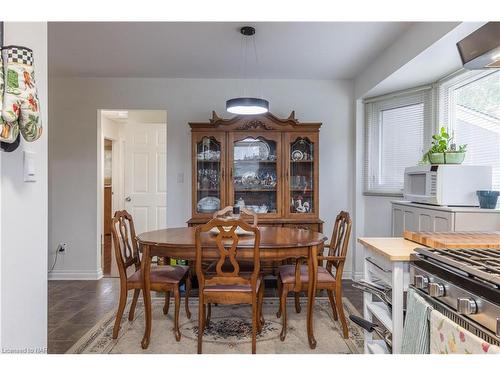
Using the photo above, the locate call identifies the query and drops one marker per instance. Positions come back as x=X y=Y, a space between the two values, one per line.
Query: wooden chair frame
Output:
x=127 y=255
x=335 y=259
x=226 y=242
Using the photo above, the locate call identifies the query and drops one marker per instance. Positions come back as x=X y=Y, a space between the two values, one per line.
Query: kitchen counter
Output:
x=392 y=248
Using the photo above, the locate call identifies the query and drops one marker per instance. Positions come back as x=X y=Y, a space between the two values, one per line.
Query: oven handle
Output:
x=370 y=260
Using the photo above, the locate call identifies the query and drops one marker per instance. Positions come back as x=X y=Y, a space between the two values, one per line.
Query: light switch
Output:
x=29 y=166
x=180 y=178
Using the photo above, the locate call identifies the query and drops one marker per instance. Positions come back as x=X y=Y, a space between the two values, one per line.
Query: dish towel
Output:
x=416 y=327
x=447 y=337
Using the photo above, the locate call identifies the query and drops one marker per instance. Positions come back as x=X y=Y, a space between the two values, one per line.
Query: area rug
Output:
x=229 y=331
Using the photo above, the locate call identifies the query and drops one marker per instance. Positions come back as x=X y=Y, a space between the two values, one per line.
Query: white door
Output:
x=145 y=175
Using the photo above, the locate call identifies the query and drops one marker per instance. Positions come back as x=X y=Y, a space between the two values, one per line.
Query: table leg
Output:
x=311 y=292
x=145 y=271
x=397 y=306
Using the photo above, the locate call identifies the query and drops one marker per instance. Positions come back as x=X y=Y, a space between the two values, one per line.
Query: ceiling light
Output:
x=247 y=105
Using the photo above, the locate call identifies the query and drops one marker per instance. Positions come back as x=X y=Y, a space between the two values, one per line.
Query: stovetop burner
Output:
x=483 y=263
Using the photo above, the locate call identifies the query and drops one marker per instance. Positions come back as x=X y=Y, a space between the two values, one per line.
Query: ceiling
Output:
x=302 y=50
x=437 y=61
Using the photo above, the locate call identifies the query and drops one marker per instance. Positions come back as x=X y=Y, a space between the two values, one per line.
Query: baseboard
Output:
x=75 y=275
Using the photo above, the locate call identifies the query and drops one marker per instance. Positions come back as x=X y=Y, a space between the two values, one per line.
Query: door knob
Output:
x=128 y=199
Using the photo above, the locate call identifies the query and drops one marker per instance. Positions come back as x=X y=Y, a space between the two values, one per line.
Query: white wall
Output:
x=73 y=145
x=23 y=223
x=373 y=213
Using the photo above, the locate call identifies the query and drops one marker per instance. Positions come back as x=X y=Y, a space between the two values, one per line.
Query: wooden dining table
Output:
x=276 y=244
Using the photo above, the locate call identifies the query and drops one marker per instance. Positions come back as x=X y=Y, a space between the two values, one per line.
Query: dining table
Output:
x=276 y=244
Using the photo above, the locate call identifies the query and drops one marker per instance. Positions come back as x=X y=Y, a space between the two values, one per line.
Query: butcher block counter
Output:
x=392 y=248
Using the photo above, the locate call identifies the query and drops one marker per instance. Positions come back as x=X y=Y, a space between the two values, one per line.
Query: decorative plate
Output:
x=297 y=155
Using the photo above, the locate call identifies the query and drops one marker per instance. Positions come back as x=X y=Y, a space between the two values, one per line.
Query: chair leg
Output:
x=255 y=318
x=297 y=302
x=186 y=298
x=134 y=304
x=280 y=291
x=177 y=297
x=332 y=304
x=121 y=308
x=209 y=314
x=340 y=310
x=201 y=322
x=166 y=306
x=260 y=315
x=284 y=293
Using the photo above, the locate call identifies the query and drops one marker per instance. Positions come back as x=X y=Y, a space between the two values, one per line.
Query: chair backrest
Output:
x=339 y=242
x=225 y=243
x=228 y=211
x=125 y=243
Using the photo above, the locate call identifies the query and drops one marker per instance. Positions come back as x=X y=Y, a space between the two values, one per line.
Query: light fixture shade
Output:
x=247 y=106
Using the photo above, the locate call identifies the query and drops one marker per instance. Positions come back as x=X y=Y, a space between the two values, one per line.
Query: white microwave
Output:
x=446 y=184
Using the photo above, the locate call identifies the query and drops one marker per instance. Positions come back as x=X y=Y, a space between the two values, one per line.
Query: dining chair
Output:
x=296 y=278
x=228 y=286
x=163 y=278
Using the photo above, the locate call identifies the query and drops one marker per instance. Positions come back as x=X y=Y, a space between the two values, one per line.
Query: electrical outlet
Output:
x=62 y=248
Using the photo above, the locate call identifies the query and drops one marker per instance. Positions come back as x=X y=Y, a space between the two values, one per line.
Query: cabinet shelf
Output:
x=210 y=190
x=255 y=161
x=256 y=190
x=303 y=190
x=301 y=161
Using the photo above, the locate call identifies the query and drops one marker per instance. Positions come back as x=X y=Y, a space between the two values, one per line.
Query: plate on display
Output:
x=297 y=155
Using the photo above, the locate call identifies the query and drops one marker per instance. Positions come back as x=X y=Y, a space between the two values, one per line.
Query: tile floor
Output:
x=76 y=306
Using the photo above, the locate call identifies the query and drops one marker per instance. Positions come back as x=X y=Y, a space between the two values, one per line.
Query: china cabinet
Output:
x=267 y=164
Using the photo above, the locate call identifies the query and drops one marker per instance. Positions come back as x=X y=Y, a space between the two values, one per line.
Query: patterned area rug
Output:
x=229 y=331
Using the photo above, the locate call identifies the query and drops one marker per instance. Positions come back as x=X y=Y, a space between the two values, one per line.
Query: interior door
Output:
x=145 y=175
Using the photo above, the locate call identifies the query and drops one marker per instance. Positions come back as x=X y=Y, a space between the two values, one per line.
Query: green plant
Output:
x=442 y=143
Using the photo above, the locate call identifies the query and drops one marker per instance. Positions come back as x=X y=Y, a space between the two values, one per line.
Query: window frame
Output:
x=439 y=115
x=374 y=107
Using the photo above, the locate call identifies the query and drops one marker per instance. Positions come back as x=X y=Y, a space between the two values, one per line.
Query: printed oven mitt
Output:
x=20 y=102
x=8 y=131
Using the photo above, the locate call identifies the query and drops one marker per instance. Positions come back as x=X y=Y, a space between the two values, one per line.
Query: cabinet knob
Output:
x=128 y=199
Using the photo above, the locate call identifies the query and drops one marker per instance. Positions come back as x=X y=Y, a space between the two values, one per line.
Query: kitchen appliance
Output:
x=462 y=284
x=481 y=49
x=446 y=185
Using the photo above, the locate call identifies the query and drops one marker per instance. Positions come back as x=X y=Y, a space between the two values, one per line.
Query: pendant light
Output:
x=247 y=105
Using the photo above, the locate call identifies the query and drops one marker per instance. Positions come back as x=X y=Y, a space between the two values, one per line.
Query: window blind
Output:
x=396 y=129
x=469 y=106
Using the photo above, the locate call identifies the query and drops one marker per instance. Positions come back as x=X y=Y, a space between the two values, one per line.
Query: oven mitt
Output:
x=20 y=103
x=8 y=131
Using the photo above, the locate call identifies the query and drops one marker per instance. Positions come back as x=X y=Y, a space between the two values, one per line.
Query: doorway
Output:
x=132 y=160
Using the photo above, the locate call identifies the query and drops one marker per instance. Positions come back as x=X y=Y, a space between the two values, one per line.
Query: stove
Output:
x=464 y=284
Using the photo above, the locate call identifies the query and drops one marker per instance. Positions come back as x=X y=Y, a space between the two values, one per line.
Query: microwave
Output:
x=446 y=184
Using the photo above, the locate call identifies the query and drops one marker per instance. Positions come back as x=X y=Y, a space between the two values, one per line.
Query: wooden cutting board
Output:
x=455 y=240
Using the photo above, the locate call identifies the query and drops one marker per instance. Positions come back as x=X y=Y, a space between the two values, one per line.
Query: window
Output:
x=394 y=138
x=469 y=105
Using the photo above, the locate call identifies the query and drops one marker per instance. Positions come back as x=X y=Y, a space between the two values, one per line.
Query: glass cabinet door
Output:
x=209 y=174
x=302 y=177
x=254 y=173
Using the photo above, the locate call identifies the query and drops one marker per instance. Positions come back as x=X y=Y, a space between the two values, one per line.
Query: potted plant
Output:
x=443 y=150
